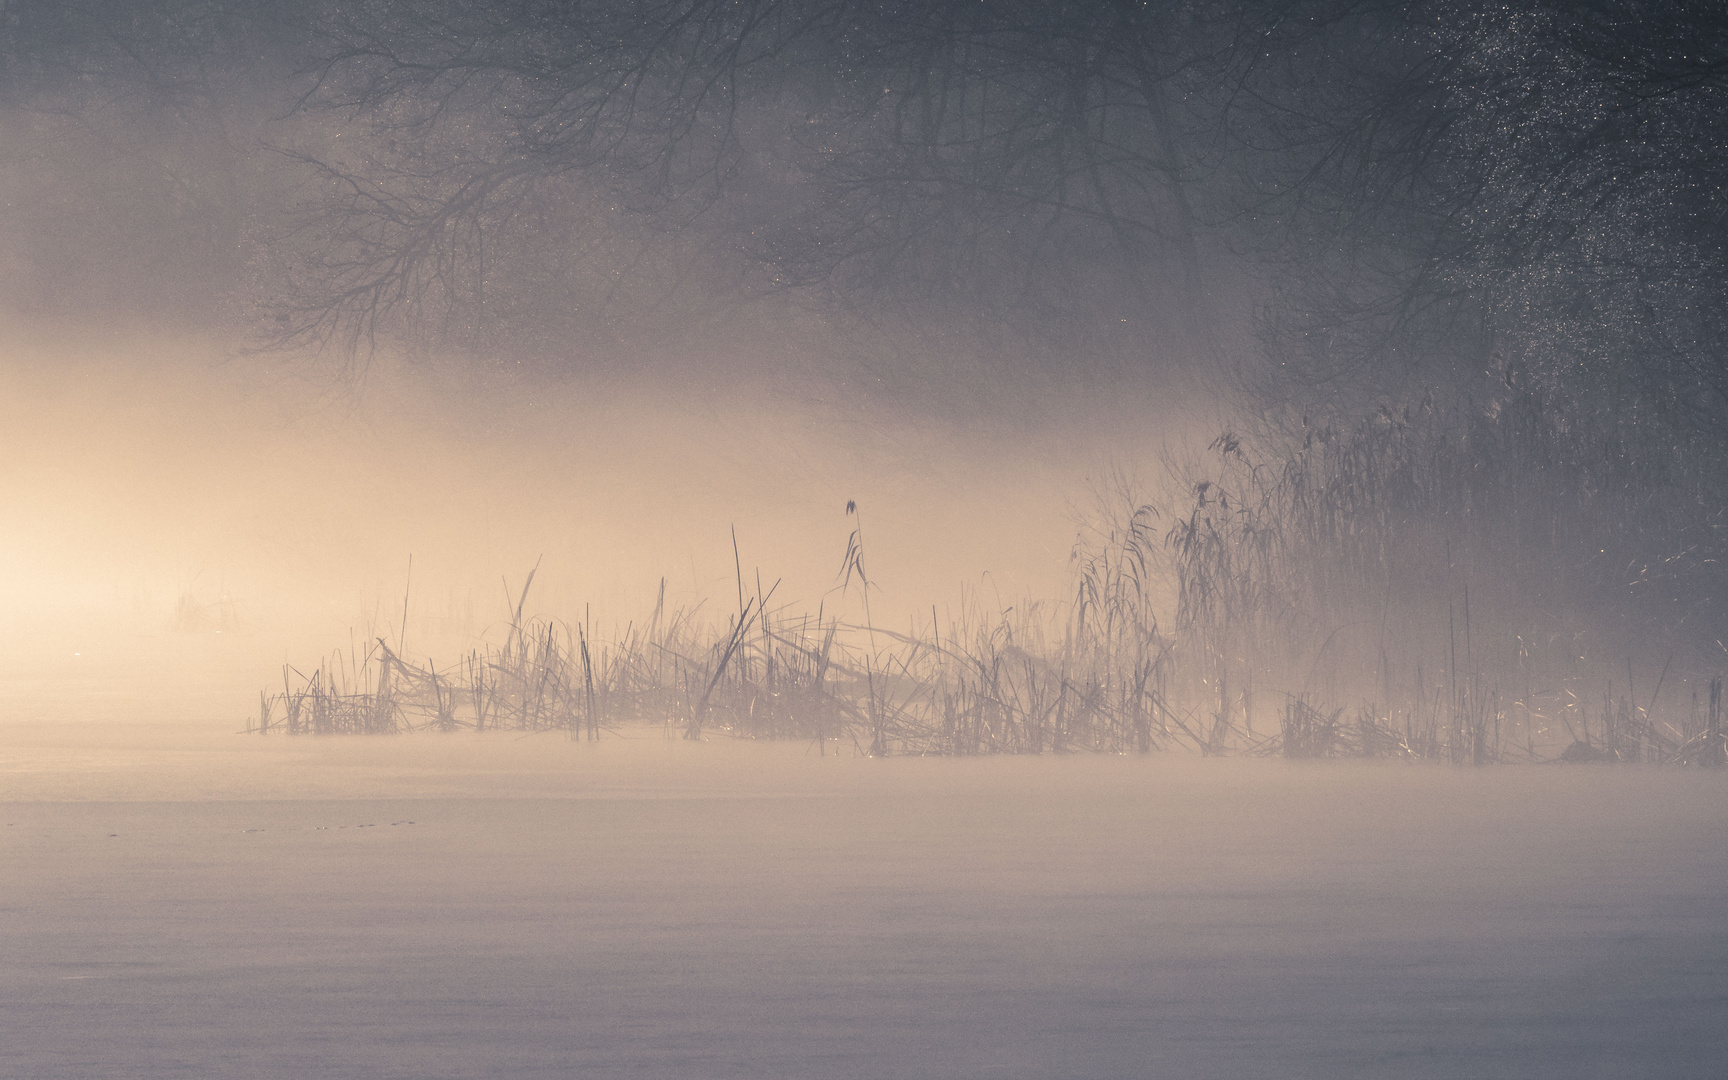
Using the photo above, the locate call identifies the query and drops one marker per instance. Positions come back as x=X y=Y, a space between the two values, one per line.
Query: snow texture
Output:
x=471 y=907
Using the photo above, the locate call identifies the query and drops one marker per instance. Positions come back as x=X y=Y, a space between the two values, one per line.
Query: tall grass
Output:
x=1462 y=586
x=975 y=686
x=1467 y=578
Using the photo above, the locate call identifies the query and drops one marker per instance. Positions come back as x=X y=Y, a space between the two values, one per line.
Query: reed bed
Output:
x=996 y=683
x=1394 y=590
x=969 y=689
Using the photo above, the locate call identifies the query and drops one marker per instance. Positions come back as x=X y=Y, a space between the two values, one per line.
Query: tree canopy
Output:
x=1489 y=195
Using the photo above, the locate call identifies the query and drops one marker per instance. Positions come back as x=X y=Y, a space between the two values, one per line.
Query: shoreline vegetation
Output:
x=1311 y=604
x=948 y=693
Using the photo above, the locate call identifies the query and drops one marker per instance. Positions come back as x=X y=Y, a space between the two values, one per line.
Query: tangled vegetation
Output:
x=1375 y=593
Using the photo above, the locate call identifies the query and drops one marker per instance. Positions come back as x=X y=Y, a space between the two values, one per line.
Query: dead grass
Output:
x=1409 y=588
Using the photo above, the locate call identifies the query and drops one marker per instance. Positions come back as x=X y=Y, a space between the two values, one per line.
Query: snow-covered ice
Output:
x=186 y=903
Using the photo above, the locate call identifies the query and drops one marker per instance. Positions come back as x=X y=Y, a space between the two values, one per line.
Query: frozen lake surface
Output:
x=179 y=903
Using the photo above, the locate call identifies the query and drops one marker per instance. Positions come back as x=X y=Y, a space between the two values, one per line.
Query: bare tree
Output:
x=994 y=160
x=1521 y=193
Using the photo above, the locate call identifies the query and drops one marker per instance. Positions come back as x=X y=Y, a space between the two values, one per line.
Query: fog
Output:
x=806 y=538
x=163 y=494
x=453 y=906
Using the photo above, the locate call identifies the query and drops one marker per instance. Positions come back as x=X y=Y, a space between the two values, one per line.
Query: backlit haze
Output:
x=177 y=512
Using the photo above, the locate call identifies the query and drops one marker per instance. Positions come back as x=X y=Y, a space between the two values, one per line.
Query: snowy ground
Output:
x=189 y=903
